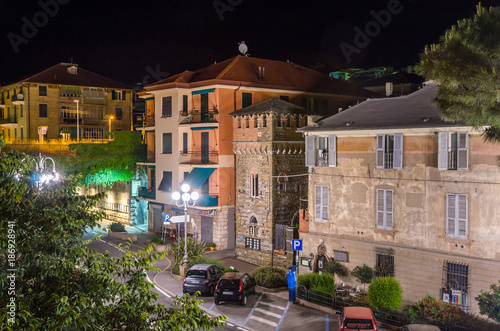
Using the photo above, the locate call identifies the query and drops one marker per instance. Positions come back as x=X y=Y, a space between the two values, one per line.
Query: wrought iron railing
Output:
x=199 y=157
x=210 y=115
x=147 y=193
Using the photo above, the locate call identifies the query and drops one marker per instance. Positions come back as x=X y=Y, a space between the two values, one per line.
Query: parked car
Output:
x=202 y=277
x=420 y=327
x=357 y=318
x=234 y=286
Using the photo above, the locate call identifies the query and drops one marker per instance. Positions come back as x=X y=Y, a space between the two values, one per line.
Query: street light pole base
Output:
x=183 y=268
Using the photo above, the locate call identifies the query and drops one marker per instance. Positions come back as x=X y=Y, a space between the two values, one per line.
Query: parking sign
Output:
x=166 y=219
x=297 y=244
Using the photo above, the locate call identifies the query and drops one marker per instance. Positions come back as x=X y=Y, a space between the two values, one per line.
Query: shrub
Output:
x=194 y=250
x=212 y=245
x=231 y=269
x=489 y=302
x=175 y=269
x=158 y=241
x=432 y=308
x=270 y=277
x=117 y=227
x=336 y=268
x=321 y=282
x=363 y=274
x=204 y=260
x=385 y=293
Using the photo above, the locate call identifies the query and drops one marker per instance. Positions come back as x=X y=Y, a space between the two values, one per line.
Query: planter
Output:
x=212 y=248
x=122 y=235
x=160 y=248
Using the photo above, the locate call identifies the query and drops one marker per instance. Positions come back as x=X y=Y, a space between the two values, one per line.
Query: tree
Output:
x=363 y=274
x=466 y=67
x=489 y=302
x=51 y=280
x=336 y=268
x=385 y=293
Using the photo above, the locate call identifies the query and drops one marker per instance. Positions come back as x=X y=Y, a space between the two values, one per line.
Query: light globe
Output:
x=176 y=196
x=195 y=196
x=185 y=188
x=186 y=197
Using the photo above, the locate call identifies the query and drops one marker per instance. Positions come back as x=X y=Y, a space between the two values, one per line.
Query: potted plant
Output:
x=212 y=246
x=117 y=230
x=160 y=245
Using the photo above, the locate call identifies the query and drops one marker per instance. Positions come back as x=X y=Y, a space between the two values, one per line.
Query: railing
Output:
x=11 y=119
x=198 y=116
x=322 y=158
x=452 y=160
x=147 y=193
x=199 y=157
x=389 y=160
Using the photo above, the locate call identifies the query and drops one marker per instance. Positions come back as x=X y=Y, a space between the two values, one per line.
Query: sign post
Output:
x=166 y=220
x=297 y=247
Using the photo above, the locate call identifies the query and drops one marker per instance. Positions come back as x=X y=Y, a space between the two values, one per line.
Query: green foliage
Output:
x=194 y=250
x=158 y=241
x=60 y=283
x=489 y=302
x=212 y=245
x=363 y=274
x=175 y=269
x=321 y=282
x=231 y=269
x=336 y=268
x=204 y=260
x=2 y=141
x=270 y=277
x=117 y=227
x=466 y=67
x=385 y=293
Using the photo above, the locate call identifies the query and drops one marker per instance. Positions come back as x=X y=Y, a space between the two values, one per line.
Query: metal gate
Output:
x=207 y=229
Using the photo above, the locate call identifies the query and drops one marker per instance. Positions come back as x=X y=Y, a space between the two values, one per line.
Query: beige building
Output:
x=393 y=186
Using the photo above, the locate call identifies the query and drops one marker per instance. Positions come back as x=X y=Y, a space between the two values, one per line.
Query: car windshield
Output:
x=231 y=284
x=358 y=324
x=196 y=273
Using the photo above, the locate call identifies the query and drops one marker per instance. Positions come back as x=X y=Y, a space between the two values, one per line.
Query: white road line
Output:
x=229 y=324
x=272 y=305
x=262 y=320
x=240 y=328
x=278 y=316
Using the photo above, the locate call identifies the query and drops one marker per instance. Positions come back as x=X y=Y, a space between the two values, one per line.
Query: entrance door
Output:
x=157 y=219
x=207 y=229
x=204 y=108
x=321 y=264
x=204 y=147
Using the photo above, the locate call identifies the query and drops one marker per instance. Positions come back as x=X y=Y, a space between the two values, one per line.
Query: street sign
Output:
x=166 y=219
x=297 y=244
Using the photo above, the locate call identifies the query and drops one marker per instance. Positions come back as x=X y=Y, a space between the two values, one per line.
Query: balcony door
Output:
x=204 y=108
x=204 y=147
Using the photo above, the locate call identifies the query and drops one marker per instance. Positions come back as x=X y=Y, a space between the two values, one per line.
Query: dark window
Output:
x=340 y=256
x=124 y=95
x=385 y=266
x=42 y=91
x=166 y=107
x=288 y=121
x=285 y=97
x=246 y=99
x=185 y=103
x=21 y=108
x=184 y=143
x=197 y=273
x=22 y=132
x=264 y=120
x=167 y=143
x=279 y=124
x=166 y=182
x=297 y=121
x=42 y=110
x=118 y=113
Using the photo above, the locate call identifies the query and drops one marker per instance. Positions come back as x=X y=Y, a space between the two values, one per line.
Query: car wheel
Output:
x=243 y=301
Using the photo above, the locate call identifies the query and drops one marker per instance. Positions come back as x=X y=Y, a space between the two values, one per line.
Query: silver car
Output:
x=202 y=277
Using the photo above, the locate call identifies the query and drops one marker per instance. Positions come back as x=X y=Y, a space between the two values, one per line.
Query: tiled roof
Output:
x=277 y=74
x=59 y=74
x=415 y=110
x=272 y=105
x=397 y=78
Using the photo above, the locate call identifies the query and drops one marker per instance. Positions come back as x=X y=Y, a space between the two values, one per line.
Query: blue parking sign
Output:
x=166 y=219
x=297 y=244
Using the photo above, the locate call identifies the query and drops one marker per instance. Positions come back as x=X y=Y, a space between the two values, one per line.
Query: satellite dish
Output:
x=20 y=96
x=243 y=48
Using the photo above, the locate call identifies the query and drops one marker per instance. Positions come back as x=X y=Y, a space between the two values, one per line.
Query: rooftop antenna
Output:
x=243 y=48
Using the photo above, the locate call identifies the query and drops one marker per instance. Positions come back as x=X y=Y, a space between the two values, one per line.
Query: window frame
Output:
x=382 y=221
x=40 y=90
x=254 y=185
x=382 y=152
x=382 y=258
x=166 y=106
x=246 y=99
x=166 y=148
x=457 y=216
x=313 y=155
x=46 y=110
x=321 y=211
x=445 y=149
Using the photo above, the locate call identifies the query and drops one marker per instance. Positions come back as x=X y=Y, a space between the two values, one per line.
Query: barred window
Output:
x=384 y=266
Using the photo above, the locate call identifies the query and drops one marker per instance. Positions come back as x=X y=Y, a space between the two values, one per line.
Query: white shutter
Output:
x=380 y=208
x=324 y=201
x=332 y=150
x=389 y=207
x=380 y=151
x=398 y=151
x=310 y=152
x=443 y=150
x=317 y=202
x=450 y=214
x=462 y=215
x=462 y=151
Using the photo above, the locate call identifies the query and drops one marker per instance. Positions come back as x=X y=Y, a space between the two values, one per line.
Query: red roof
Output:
x=277 y=74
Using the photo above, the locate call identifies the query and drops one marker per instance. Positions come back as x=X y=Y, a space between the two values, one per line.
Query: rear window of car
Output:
x=233 y=284
x=358 y=324
x=197 y=273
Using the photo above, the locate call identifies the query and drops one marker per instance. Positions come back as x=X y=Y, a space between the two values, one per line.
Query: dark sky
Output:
x=135 y=41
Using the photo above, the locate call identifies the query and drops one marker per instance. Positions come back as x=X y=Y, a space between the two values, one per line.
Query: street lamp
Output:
x=187 y=199
x=109 y=125
x=77 y=121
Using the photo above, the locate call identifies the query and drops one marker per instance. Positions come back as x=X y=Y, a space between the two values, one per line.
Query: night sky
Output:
x=144 y=41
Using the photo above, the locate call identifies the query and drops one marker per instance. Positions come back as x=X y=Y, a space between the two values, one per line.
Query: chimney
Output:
x=262 y=72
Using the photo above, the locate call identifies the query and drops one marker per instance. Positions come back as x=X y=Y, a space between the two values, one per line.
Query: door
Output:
x=321 y=264
x=207 y=229
x=204 y=148
x=157 y=219
x=204 y=108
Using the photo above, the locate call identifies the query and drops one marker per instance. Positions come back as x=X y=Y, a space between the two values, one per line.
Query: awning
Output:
x=210 y=90
x=166 y=183
x=200 y=128
x=65 y=130
x=198 y=177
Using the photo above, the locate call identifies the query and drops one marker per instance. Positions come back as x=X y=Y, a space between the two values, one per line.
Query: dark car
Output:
x=234 y=286
x=201 y=277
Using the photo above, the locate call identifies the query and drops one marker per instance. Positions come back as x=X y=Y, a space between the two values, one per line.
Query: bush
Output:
x=212 y=245
x=175 y=269
x=270 y=277
x=324 y=282
x=432 y=308
x=117 y=227
x=336 y=268
x=158 y=241
x=231 y=269
x=385 y=293
x=489 y=302
x=194 y=250
x=204 y=260
x=363 y=274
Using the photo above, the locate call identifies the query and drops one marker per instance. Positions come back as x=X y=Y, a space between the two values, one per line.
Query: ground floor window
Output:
x=93 y=133
x=456 y=280
x=384 y=266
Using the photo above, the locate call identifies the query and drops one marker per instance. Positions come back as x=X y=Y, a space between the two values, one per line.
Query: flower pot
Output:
x=212 y=248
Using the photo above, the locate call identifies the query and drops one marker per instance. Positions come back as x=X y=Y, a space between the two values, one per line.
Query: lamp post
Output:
x=187 y=199
x=109 y=124
x=77 y=121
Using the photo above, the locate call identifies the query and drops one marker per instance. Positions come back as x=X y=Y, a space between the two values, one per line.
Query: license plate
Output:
x=227 y=293
x=195 y=282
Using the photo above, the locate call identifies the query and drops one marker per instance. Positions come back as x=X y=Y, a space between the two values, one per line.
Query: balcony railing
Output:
x=208 y=201
x=198 y=116
x=199 y=157
x=147 y=193
x=322 y=158
x=389 y=160
x=452 y=160
x=8 y=120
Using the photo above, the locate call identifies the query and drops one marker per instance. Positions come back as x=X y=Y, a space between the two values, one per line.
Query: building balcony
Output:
x=199 y=157
x=9 y=120
x=199 y=116
x=18 y=99
x=2 y=103
x=208 y=201
x=146 y=193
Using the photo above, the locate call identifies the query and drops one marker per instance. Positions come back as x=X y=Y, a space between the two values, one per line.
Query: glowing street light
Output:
x=77 y=121
x=109 y=125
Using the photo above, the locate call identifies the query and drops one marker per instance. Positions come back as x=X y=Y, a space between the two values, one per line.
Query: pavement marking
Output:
x=212 y=306
x=253 y=309
x=230 y=324
x=272 y=305
x=263 y=320
x=240 y=328
x=283 y=316
x=267 y=313
x=327 y=322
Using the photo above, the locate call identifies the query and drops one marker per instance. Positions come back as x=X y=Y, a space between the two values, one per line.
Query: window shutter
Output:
x=324 y=202
x=443 y=150
x=113 y=94
x=166 y=110
x=380 y=151
x=398 y=151
x=389 y=207
x=310 y=159
x=462 y=151
x=462 y=215
x=380 y=208
x=124 y=95
x=450 y=214
x=317 y=202
x=256 y=185
x=332 y=151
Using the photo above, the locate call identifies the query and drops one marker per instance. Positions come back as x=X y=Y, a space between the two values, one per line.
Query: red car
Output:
x=357 y=318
